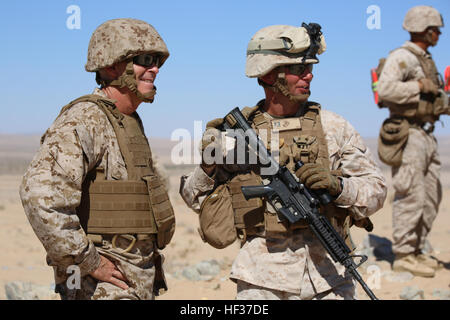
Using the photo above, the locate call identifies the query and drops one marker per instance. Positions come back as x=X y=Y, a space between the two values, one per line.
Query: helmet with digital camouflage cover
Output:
x=419 y=18
x=120 y=40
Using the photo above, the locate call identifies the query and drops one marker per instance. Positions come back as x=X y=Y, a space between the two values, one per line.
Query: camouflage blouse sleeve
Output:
x=364 y=187
x=194 y=188
x=398 y=81
x=51 y=187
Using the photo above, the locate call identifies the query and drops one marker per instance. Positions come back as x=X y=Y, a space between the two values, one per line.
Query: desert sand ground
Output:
x=22 y=257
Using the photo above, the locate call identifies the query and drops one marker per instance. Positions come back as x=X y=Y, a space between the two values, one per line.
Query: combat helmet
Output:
x=279 y=45
x=120 y=40
x=419 y=18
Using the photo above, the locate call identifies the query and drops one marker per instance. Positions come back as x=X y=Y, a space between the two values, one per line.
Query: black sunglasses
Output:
x=148 y=60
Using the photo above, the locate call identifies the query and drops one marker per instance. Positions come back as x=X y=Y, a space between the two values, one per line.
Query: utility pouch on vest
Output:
x=274 y=226
x=441 y=104
x=392 y=140
x=162 y=210
x=247 y=213
x=277 y=228
x=217 y=218
x=425 y=109
x=305 y=148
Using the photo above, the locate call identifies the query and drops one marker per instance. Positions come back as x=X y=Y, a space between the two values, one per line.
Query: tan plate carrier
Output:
x=139 y=205
x=300 y=138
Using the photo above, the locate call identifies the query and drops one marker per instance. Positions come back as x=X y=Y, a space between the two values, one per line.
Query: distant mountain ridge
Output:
x=16 y=151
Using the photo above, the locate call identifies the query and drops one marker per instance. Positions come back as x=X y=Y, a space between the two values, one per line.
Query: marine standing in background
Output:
x=411 y=87
x=92 y=193
x=279 y=260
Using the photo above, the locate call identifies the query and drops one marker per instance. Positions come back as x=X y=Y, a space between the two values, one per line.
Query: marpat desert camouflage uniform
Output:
x=418 y=190
x=79 y=140
x=298 y=267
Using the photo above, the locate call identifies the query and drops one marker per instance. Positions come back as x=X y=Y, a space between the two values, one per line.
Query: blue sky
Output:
x=43 y=61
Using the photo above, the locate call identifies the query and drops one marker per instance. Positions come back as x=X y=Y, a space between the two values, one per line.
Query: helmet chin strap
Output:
x=128 y=79
x=280 y=86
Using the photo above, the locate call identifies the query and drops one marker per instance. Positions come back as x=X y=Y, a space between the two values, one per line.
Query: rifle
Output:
x=297 y=202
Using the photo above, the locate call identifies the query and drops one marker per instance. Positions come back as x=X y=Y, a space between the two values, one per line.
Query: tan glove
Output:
x=428 y=86
x=211 y=134
x=315 y=176
x=364 y=223
x=214 y=123
x=211 y=140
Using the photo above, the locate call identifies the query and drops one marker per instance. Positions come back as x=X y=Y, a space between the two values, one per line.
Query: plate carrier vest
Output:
x=139 y=205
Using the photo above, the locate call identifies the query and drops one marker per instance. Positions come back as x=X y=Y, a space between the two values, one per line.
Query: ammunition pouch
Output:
x=247 y=213
x=441 y=104
x=276 y=226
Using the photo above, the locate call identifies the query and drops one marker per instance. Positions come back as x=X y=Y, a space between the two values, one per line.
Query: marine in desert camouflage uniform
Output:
x=84 y=151
x=291 y=263
x=408 y=77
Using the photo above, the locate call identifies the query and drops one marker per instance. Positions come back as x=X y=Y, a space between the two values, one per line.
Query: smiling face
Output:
x=145 y=77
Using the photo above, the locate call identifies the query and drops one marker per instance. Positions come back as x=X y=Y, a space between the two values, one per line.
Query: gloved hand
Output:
x=315 y=176
x=214 y=123
x=428 y=86
x=211 y=134
x=212 y=143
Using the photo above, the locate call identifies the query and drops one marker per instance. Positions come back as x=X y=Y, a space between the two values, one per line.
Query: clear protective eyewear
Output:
x=299 y=69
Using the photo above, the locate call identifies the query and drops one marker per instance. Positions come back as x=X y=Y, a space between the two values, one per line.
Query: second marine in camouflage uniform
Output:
x=89 y=193
x=408 y=84
x=278 y=260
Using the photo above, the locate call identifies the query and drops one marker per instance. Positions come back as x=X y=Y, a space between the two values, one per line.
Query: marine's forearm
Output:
x=399 y=92
x=58 y=228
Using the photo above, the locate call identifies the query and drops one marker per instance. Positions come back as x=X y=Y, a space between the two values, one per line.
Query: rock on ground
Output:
x=441 y=294
x=18 y=290
x=204 y=270
x=412 y=293
x=392 y=276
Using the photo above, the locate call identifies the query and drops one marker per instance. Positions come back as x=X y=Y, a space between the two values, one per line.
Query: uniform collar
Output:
x=99 y=92
x=300 y=111
x=417 y=49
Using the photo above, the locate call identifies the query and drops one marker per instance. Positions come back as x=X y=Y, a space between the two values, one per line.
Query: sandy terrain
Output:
x=22 y=257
